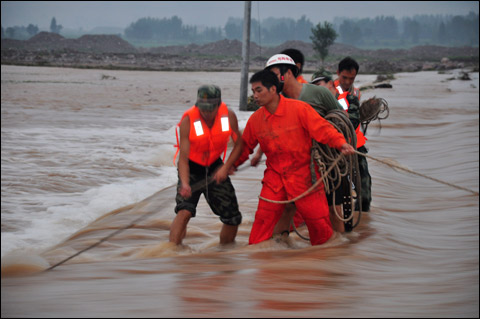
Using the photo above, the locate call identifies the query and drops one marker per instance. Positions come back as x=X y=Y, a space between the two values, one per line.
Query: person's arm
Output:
x=249 y=143
x=223 y=171
x=257 y=157
x=353 y=110
x=322 y=131
x=329 y=100
x=183 y=168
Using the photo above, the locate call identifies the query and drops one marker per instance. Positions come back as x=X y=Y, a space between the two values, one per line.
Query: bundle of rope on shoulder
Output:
x=347 y=166
x=370 y=110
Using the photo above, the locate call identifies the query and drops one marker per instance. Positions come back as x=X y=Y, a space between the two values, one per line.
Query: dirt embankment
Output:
x=112 y=52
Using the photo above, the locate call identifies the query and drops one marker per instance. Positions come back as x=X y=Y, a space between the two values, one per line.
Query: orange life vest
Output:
x=342 y=99
x=301 y=79
x=206 y=144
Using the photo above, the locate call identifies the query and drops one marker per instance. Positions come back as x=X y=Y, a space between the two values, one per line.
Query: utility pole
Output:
x=245 y=56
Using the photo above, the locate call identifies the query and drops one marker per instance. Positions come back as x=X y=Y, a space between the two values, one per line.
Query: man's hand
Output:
x=347 y=149
x=352 y=99
x=221 y=174
x=185 y=190
x=256 y=158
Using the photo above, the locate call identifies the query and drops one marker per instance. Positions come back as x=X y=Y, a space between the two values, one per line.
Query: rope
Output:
x=109 y=236
x=194 y=188
x=371 y=110
x=348 y=166
x=419 y=174
x=308 y=191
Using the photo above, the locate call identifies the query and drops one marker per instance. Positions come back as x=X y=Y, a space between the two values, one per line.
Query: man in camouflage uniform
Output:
x=347 y=71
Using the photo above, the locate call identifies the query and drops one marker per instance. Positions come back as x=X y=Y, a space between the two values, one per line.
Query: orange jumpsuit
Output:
x=286 y=139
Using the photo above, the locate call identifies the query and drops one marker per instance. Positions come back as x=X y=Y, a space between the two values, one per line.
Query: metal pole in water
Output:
x=245 y=56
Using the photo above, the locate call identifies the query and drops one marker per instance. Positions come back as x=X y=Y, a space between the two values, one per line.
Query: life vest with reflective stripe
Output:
x=356 y=91
x=342 y=100
x=206 y=144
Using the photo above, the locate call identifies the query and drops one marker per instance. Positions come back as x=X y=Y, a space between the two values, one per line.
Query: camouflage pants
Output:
x=366 y=181
x=220 y=197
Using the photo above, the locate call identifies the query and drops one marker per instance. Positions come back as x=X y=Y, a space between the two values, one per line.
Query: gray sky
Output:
x=90 y=14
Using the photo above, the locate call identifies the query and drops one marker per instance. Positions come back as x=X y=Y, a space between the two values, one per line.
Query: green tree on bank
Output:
x=323 y=37
x=54 y=27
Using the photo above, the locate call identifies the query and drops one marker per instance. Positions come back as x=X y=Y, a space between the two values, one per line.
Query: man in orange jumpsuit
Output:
x=284 y=128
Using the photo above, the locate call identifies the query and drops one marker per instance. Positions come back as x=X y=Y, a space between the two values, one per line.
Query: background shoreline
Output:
x=113 y=53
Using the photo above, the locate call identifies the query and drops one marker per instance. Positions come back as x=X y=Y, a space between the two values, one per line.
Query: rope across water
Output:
x=308 y=191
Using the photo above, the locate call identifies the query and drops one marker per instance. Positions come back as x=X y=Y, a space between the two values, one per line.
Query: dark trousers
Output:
x=366 y=181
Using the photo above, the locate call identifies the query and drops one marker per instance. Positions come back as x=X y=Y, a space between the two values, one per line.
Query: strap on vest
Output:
x=342 y=98
x=176 y=145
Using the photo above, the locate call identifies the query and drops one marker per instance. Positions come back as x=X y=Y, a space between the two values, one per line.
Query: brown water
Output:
x=414 y=255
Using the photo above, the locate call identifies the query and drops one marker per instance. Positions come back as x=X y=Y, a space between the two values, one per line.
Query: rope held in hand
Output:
x=308 y=191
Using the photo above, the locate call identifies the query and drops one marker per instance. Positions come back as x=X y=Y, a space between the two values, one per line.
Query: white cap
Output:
x=280 y=59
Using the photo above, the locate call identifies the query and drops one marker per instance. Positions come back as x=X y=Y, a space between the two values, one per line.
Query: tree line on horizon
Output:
x=367 y=33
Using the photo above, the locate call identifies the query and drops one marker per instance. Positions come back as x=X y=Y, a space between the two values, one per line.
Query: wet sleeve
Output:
x=320 y=129
x=249 y=143
x=329 y=100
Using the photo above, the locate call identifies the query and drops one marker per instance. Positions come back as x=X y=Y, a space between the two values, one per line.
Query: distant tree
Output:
x=54 y=27
x=32 y=30
x=163 y=30
x=323 y=37
x=212 y=34
x=10 y=32
x=350 y=32
x=412 y=30
x=302 y=28
x=234 y=29
x=442 y=33
x=3 y=33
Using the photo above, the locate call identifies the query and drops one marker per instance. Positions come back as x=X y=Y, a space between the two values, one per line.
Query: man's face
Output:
x=346 y=78
x=261 y=94
x=277 y=72
x=209 y=115
x=329 y=85
x=320 y=83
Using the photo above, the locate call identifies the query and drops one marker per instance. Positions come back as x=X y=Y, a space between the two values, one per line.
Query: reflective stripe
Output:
x=343 y=102
x=339 y=89
x=225 y=126
x=198 y=128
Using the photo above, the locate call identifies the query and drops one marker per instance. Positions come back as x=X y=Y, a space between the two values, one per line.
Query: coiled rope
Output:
x=373 y=109
x=348 y=167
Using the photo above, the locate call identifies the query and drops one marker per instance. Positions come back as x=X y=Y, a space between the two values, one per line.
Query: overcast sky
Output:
x=90 y=14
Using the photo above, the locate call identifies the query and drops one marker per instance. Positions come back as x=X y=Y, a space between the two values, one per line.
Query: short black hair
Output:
x=297 y=57
x=267 y=77
x=348 y=64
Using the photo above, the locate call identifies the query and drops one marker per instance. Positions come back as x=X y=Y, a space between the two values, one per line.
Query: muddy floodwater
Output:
x=86 y=152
